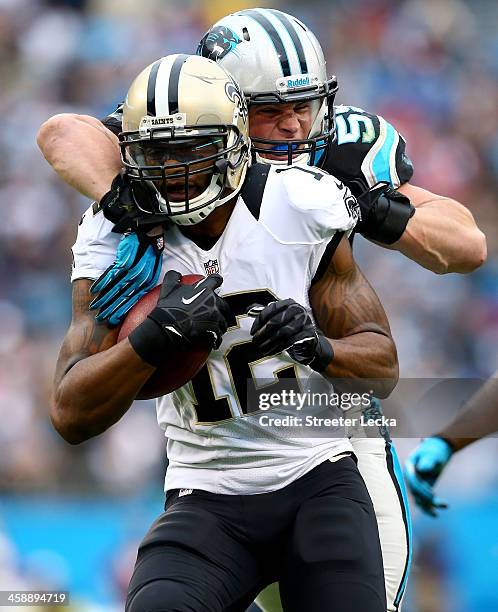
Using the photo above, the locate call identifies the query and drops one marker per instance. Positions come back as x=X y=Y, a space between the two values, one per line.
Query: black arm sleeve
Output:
x=113 y=121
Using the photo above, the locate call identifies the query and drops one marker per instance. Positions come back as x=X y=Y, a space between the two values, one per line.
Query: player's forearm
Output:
x=350 y=314
x=369 y=359
x=442 y=235
x=479 y=417
x=82 y=151
x=97 y=391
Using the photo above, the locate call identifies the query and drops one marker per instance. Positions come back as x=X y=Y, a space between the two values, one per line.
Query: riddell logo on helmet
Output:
x=294 y=81
x=299 y=82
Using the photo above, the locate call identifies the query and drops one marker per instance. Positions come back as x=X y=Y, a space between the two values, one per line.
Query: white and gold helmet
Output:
x=275 y=59
x=185 y=137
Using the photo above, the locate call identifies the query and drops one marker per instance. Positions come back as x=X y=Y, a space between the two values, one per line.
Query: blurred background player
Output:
x=410 y=62
x=281 y=68
x=308 y=520
x=477 y=419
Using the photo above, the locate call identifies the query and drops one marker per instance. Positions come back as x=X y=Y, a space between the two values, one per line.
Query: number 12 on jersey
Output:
x=238 y=358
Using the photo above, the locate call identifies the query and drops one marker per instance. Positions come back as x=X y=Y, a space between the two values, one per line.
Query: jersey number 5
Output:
x=349 y=128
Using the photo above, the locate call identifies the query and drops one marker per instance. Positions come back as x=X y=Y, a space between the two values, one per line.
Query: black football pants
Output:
x=213 y=553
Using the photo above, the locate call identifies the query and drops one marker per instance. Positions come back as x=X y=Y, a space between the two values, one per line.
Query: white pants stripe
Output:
x=379 y=467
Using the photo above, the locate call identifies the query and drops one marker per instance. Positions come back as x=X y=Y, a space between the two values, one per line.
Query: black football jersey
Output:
x=368 y=149
x=113 y=121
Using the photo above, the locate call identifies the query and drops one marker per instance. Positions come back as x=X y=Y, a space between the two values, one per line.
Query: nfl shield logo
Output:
x=212 y=266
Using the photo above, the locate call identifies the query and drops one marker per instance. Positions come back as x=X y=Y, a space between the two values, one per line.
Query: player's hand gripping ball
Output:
x=192 y=337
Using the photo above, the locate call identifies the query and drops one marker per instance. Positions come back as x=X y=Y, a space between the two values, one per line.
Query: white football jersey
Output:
x=217 y=439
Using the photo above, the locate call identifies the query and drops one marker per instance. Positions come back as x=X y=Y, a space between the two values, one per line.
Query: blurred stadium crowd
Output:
x=428 y=66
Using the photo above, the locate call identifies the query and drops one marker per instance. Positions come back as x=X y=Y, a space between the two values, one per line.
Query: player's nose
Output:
x=173 y=166
x=289 y=123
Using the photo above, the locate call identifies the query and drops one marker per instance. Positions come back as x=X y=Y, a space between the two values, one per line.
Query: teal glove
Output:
x=422 y=469
x=134 y=272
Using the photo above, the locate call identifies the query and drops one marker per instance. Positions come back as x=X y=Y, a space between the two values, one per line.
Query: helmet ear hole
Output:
x=220 y=166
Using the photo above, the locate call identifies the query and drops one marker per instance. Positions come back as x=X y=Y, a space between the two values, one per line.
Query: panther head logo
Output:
x=218 y=42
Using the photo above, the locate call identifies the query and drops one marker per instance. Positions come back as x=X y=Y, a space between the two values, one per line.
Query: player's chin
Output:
x=273 y=156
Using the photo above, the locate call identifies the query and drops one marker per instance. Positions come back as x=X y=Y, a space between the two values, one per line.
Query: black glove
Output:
x=384 y=213
x=286 y=325
x=184 y=314
x=119 y=205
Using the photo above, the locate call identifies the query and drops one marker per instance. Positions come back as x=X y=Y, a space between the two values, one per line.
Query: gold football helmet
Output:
x=185 y=137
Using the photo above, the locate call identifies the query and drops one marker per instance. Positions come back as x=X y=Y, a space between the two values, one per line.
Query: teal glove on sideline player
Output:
x=422 y=469
x=134 y=272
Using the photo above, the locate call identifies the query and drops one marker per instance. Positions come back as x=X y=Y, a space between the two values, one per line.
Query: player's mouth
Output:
x=176 y=190
x=281 y=151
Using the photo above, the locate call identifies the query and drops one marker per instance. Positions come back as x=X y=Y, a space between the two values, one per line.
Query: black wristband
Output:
x=150 y=342
x=385 y=213
x=450 y=444
x=324 y=354
x=395 y=222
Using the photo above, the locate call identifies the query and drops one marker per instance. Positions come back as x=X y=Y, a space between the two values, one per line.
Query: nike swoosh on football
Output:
x=194 y=297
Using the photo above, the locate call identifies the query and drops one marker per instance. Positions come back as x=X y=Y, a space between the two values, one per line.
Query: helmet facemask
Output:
x=189 y=168
x=322 y=132
x=184 y=144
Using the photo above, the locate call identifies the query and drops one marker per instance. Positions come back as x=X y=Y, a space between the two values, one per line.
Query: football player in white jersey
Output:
x=261 y=47
x=247 y=503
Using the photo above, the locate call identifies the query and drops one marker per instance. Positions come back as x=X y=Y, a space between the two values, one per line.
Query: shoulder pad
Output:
x=368 y=149
x=303 y=204
x=95 y=247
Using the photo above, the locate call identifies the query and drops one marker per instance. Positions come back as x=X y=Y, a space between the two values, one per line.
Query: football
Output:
x=182 y=366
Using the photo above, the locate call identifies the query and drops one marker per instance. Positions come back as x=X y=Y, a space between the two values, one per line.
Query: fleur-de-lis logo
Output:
x=234 y=94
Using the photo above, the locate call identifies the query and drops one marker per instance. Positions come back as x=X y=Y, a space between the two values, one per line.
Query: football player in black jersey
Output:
x=281 y=69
